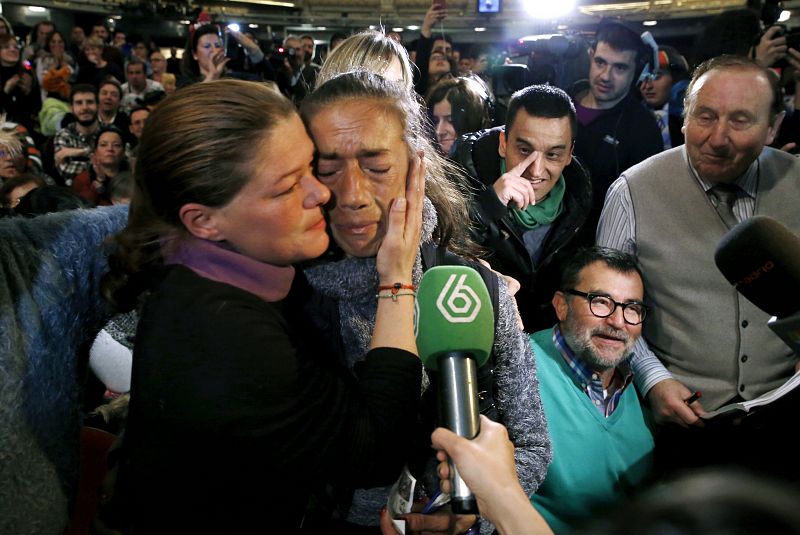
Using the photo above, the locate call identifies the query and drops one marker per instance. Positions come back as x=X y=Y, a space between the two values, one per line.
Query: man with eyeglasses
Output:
x=586 y=388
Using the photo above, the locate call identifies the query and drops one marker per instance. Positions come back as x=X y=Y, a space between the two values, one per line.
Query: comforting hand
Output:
x=398 y=251
x=513 y=187
x=667 y=402
x=771 y=47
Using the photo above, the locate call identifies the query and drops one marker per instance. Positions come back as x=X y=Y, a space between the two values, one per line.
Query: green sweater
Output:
x=595 y=459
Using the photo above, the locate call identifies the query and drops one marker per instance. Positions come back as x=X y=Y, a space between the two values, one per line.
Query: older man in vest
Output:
x=671 y=211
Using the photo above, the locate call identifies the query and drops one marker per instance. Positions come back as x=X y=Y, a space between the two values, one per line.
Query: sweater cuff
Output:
x=395 y=357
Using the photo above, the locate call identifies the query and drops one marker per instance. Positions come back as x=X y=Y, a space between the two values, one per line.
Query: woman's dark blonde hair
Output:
x=198 y=146
x=369 y=50
x=442 y=183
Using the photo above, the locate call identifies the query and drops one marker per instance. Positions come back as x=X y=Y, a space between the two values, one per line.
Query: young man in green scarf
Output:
x=532 y=195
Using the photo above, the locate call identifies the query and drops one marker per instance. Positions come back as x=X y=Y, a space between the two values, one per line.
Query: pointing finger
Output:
x=524 y=164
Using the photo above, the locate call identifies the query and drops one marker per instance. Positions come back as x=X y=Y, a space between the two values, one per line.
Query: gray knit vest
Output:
x=710 y=337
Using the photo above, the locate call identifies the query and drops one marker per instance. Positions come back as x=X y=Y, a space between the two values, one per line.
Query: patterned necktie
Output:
x=663 y=125
x=723 y=196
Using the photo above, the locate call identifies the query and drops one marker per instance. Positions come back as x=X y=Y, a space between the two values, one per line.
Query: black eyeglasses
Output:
x=603 y=306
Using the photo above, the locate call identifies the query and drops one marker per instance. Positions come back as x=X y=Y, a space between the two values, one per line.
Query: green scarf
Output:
x=543 y=212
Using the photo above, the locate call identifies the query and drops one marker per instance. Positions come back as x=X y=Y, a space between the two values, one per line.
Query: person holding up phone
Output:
x=247 y=59
x=429 y=45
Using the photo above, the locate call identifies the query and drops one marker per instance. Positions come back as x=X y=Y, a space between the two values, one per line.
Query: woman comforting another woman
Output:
x=239 y=415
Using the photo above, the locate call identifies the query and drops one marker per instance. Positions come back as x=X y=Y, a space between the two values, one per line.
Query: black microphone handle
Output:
x=458 y=401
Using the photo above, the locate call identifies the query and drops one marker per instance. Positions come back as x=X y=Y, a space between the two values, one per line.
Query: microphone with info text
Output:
x=760 y=257
x=455 y=333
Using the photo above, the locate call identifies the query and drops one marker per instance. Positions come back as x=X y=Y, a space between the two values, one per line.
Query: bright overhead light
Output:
x=784 y=16
x=187 y=22
x=480 y=29
x=398 y=29
x=412 y=27
x=547 y=9
x=321 y=28
x=251 y=25
x=649 y=22
x=373 y=27
x=36 y=9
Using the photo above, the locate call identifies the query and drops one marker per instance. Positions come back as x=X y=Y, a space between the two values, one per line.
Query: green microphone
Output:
x=454 y=323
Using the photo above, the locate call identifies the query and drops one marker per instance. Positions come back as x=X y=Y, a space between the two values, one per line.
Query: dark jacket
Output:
x=495 y=229
x=616 y=140
x=676 y=130
x=232 y=427
x=302 y=87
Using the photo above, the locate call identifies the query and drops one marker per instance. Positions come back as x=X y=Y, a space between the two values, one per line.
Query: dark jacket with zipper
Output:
x=494 y=228
x=617 y=139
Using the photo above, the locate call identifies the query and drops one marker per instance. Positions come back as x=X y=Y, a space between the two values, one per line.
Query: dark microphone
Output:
x=760 y=257
x=455 y=332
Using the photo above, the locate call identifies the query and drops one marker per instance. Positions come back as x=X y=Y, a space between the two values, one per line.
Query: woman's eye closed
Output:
x=289 y=190
x=323 y=172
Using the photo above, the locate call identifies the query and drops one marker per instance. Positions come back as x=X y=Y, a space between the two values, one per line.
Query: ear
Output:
x=773 y=129
x=501 y=148
x=571 y=149
x=201 y=221
x=560 y=305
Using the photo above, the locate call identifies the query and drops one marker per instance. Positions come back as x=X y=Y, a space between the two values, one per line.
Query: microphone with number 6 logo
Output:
x=455 y=333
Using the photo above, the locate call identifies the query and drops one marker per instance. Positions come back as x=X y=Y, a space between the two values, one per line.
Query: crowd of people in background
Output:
x=42 y=68
x=579 y=194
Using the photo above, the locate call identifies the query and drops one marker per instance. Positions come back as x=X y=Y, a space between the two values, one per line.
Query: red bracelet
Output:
x=396 y=287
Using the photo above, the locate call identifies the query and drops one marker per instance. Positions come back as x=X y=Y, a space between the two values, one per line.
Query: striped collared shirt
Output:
x=605 y=400
x=617 y=229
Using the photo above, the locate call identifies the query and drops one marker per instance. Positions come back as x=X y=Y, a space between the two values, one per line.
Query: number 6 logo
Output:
x=459 y=305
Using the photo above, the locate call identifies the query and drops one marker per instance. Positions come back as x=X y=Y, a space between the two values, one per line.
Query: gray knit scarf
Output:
x=353 y=283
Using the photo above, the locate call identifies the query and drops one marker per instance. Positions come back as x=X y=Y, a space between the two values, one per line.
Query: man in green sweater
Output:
x=602 y=443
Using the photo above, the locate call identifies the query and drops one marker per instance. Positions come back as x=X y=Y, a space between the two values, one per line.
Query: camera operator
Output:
x=295 y=78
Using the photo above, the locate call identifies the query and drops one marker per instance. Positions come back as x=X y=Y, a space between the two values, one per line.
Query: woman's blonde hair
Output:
x=369 y=50
x=9 y=141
